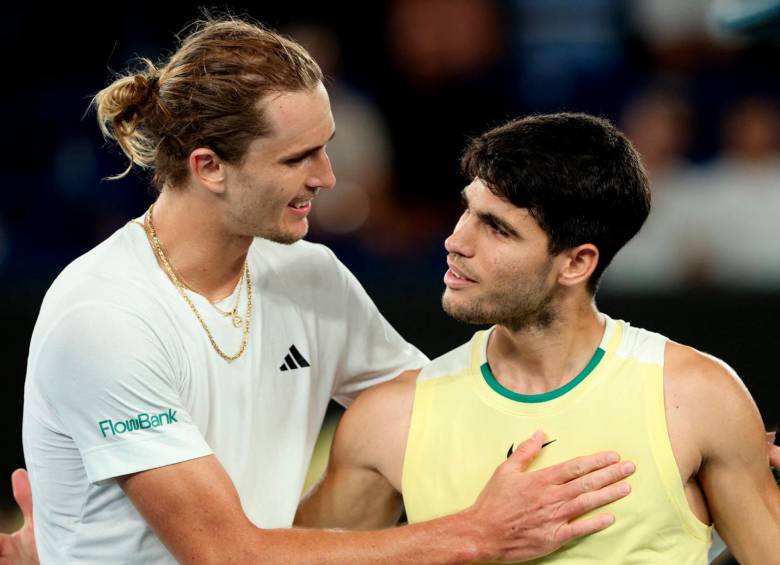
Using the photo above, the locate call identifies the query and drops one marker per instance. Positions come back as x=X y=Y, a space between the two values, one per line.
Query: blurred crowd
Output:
x=408 y=87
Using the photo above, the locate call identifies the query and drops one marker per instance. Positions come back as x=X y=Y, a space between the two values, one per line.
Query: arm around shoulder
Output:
x=195 y=510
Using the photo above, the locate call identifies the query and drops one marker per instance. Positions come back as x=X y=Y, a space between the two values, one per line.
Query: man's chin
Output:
x=286 y=237
x=285 y=240
x=464 y=313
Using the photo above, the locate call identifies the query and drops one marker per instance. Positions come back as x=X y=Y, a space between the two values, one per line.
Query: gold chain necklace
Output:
x=233 y=314
x=149 y=228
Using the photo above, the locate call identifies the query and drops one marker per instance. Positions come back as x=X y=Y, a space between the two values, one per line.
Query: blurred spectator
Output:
x=712 y=226
x=670 y=23
x=361 y=152
x=447 y=83
x=438 y=41
x=678 y=34
x=741 y=200
x=565 y=51
x=666 y=253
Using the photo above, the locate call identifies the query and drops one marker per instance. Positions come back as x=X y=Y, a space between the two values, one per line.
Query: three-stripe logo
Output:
x=293 y=360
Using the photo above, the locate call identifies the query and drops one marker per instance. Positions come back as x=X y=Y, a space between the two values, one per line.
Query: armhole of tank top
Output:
x=412 y=442
x=661 y=448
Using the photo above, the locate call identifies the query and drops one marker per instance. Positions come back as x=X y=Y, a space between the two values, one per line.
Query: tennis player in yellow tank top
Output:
x=552 y=199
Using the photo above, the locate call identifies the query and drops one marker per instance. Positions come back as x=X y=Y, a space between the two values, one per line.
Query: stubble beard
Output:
x=265 y=223
x=527 y=309
x=278 y=235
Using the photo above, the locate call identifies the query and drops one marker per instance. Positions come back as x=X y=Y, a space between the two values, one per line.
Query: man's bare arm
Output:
x=195 y=510
x=362 y=483
x=741 y=493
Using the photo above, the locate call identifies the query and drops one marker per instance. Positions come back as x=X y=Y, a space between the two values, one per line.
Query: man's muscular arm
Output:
x=195 y=510
x=362 y=483
x=734 y=474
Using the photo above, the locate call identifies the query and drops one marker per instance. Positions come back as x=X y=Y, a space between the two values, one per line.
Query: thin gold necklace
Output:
x=150 y=231
x=233 y=314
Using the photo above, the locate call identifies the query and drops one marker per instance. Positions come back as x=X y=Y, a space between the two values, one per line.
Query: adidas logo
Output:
x=293 y=360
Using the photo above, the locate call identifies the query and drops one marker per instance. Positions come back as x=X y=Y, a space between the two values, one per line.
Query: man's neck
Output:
x=205 y=256
x=537 y=360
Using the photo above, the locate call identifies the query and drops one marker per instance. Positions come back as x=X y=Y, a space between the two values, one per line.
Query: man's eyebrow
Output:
x=490 y=218
x=308 y=151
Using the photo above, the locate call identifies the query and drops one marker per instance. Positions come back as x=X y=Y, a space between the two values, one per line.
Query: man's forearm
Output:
x=452 y=540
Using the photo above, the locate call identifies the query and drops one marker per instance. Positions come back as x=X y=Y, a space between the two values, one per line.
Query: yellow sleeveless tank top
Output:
x=465 y=423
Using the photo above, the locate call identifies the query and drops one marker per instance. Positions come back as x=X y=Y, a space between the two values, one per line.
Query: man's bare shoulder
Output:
x=708 y=394
x=690 y=371
x=387 y=399
x=375 y=427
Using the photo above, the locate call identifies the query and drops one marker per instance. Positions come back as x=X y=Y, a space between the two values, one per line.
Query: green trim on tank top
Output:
x=545 y=396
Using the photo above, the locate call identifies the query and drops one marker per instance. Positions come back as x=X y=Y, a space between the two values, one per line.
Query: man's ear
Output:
x=579 y=265
x=208 y=169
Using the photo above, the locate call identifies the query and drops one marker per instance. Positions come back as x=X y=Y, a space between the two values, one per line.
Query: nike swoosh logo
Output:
x=512 y=447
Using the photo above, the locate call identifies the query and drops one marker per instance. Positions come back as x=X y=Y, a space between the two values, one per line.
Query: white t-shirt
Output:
x=122 y=378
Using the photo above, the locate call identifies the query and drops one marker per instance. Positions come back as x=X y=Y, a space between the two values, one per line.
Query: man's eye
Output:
x=498 y=231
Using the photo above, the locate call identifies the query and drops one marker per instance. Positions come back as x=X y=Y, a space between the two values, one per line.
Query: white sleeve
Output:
x=110 y=382
x=374 y=351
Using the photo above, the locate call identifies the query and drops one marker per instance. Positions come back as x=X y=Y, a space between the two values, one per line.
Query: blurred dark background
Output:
x=410 y=81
